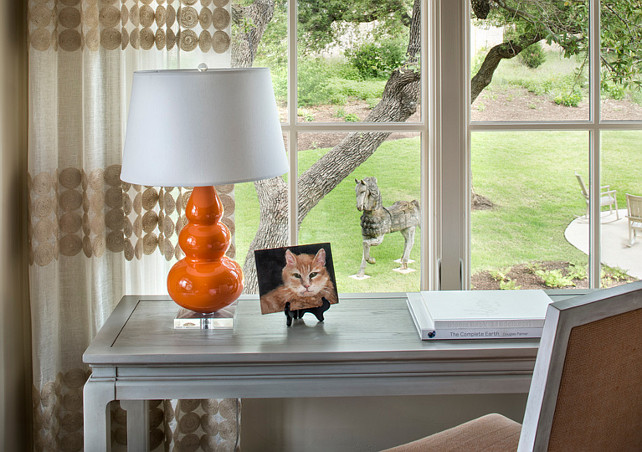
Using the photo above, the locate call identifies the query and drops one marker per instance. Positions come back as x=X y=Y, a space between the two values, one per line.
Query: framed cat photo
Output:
x=301 y=275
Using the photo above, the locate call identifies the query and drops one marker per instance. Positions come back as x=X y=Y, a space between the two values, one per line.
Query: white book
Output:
x=478 y=314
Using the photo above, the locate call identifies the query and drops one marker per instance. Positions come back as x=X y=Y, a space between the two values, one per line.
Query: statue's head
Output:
x=368 y=196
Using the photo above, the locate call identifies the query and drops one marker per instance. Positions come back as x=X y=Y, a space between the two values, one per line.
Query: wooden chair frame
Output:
x=561 y=317
x=634 y=215
x=607 y=197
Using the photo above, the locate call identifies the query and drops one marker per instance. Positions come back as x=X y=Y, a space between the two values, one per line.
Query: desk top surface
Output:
x=364 y=327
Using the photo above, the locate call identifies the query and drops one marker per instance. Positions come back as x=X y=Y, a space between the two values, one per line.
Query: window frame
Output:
x=595 y=125
x=445 y=129
x=292 y=127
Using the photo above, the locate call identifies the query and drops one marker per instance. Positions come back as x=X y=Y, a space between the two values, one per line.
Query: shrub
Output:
x=577 y=272
x=569 y=99
x=347 y=117
x=615 y=92
x=554 y=278
x=533 y=56
x=509 y=285
x=377 y=60
x=314 y=87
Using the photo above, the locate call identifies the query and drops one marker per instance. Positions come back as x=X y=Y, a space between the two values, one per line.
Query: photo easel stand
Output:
x=298 y=314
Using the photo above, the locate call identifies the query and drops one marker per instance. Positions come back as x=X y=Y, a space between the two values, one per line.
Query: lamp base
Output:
x=221 y=320
x=205 y=280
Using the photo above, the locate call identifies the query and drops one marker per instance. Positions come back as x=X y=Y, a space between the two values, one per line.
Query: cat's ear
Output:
x=289 y=258
x=320 y=257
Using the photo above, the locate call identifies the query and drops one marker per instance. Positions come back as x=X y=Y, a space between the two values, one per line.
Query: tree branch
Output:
x=506 y=50
x=398 y=103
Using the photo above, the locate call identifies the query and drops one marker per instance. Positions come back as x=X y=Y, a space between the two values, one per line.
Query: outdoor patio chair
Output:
x=634 y=214
x=607 y=197
x=586 y=390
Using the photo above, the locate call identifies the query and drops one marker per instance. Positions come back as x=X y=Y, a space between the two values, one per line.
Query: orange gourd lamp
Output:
x=200 y=128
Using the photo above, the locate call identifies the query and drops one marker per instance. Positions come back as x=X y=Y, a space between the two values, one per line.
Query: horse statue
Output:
x=377 y=221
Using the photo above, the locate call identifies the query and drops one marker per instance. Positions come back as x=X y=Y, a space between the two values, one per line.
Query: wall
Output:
x=14 y=337
x=361 y=423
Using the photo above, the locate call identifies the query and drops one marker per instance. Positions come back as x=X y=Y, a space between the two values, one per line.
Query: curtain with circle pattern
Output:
x=92 y=237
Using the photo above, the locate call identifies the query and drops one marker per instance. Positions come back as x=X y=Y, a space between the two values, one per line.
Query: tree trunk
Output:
x=251 y=20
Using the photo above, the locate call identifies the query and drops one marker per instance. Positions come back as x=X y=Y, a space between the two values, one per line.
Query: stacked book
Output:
x=487 y=314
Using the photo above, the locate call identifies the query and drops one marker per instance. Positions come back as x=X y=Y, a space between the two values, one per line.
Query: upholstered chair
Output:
x=586 y=391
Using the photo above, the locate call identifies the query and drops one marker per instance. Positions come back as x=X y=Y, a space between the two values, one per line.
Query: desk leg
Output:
x=97 y=422
x=137 y=424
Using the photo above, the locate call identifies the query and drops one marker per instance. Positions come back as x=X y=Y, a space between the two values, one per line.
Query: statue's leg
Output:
x=409 y=238
x=366 y=249
x=367 y=259
x=362 y=268
x=364 y=258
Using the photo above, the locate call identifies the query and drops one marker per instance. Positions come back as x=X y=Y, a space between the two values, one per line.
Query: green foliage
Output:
x=377 y=60
x=322 y=22
x=314 y=82
x=505 y=282
x=305 y=114
x=363 y=90
x=533 y=56
x=509 y=285
x=347 y=117
x=614 y=273
x=569 y=99
x=500 y=275
x=477 y=60
x=533 y=267
x=613 y=91
x=566 y=23
x=555 y=278
x=321 y=83
x=577 y=272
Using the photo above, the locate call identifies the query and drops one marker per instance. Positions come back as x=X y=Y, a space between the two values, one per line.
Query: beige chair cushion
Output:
x=490 y=433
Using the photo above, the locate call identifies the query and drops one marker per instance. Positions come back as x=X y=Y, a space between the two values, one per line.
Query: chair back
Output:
x=586 y=392
x=582 y=186
x=634 y=207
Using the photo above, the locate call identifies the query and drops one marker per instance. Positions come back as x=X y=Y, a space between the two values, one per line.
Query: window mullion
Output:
x=292 y=136
x=595 y=142
x=452 y=175
x=429 y=46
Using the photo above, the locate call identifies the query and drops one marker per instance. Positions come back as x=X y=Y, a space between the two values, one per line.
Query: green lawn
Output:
x=528 y=175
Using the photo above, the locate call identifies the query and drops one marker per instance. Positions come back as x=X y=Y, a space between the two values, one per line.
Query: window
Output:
x=563 y=105
x=564 y=112
x=349 y=85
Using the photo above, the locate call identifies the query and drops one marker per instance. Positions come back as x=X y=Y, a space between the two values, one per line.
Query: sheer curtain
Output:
x=92 y=237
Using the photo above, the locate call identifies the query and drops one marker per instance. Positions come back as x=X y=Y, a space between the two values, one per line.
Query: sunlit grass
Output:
x=528 y=175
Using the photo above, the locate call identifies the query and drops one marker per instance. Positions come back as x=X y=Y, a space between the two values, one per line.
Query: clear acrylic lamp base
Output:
x=221 y=320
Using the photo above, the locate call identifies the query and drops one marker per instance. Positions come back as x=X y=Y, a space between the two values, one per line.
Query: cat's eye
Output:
x=296 y=275
x=313 y=274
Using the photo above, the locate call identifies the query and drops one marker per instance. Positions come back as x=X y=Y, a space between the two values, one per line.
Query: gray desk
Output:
x=367 y=346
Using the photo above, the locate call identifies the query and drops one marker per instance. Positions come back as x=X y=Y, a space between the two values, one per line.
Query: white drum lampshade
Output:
x=197 y=128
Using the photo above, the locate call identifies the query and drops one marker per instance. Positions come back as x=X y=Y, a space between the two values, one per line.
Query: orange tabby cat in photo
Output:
x=305 y=282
